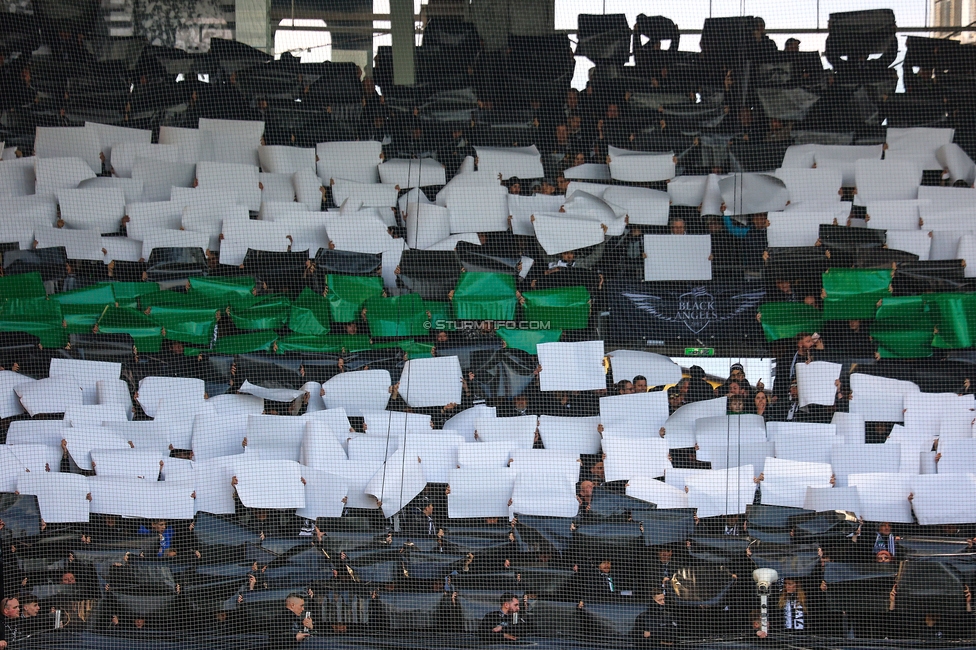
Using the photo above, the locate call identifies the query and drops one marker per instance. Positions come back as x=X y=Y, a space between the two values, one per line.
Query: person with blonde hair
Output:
x=793 y=602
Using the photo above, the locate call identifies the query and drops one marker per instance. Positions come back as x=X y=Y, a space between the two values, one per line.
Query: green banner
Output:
x=783 y=320
x=234 y=292
x=325 y=343
x=309 y=314
x=854 y=293
x=147 y=335
x=485 y=296
x=263 y=341
x=127 y=293
x=527 y=340
x=399 y=316
x=25 y=285
x=903 y=328
x=347 y=293
x=954 y=319
x=37 y=316
x=565 y=308
x=185 y=324
x=267 y=313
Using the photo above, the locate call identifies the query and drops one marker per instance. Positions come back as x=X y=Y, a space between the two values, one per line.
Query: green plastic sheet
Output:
x=527 y=340
x=147 y=335
x=854 y=293
x=903 y=328
x=325 y=343
x=954 y=319
x=233 y=292
x=186 y=324
x=263 y=341
x=309 y=314
x=179 y=300
x=485 y=296
x=127 y=293
x=399 y=316
x=267 y=313
x=347 y=293
x=783 y=320
x=565 y=308
x=37 y=316
x=26 y=285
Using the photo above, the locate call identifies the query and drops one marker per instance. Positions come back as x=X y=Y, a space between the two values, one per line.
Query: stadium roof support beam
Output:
x=403 y=28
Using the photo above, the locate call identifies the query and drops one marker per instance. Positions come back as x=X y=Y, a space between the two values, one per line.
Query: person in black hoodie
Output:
x=292 y=626
x=698 y=388
x=503 y=623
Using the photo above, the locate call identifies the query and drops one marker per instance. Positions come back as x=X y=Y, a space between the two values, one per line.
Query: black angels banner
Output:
x=678 y=310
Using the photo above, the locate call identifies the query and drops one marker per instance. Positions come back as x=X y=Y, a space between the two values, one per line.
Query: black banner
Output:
x=668 y=310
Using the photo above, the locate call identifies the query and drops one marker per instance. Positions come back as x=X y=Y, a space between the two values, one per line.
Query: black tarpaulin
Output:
x=662 y=527
x=859 y=587
x=20 y=514
x=789 y=561
x=51 y=263
x=608 y=621
x=505 y=372
x=536 y=534
x=933 y=583
x=213 y=530
x=432 y=274
x=269 y=370
x=604 y=38
x=607 y=504
x=701 y=585
x=173 y=264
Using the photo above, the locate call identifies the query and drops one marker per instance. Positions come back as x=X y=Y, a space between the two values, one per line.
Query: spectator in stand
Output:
x=885 y=547
x=791 y=45
x=698 y=388
x=505 y=623
x=624 y=387
x=677 y=226
x=11 y=622
x=761 y=404
x=737 y=375
x=292 y=626
x=793 y=602
x=598 y=584
x=675 y=398
x=640 y=384
x=159 y=528
x=656 y=625
x=785 y=292
x=30 y=622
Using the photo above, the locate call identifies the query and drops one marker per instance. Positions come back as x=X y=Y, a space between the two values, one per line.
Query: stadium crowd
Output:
x=180 y=455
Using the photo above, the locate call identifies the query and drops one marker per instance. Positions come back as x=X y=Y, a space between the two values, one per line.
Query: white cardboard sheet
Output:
x=958 y=456
x=806 y=447
x=352 y=161
x=814 y=186
x=308 y=189
x=918 y=144
x=184 y=390
x=218 y=434
x=680 y=426
x=125 y=154
x=159 y=177
x=847 y=459
x=126 y=463
x=99 y=209
x=643 y=206
x=324 y=494
x=275 y=437
x=240 y=236
x=886 y=180
x=879 y=399
x=362 y=390
x=954 y=159
x=725 y=455
x=16 y=179
x=212 y=480
x=484 y=455
x=359 y=233
x=588 y=172
x=36 y=432
x=431 y=382
x=9 y=403
x=796 y=228
x=572 y=366
x=650 y=410
x=52 y=174
x=628 y=457
x=786 y=481
x=276 y=187
x=412 y=172
x=557 y=234
x=523 y=162
x=517 y=432
x=234 y=141
x=687 y=190
x=720 y=432
x=884 y=496
x=546 y=462
x=479 y=492
x=52 y=395
x=78 y=244
x=893 y=215
x=551 y=495
x=133 y=497
x=69 y=142
x=917 y=242
x=386 y=423
x=657 y=492
x=18 y=460
x=235 y=180
x=838 y=498
x=578 y=435
x=477 y=209
x=111 y=136
x=280 y=159
x=141 y=435
x=944 y=498
x=82 y=441
x=92 y=415
x=397 y=483
x=640 y=167
x=721 y=491
x=850 y=426
x=426 y=224
x=465 y=421
x=522 y=208
x=152 y=216
x=844 y=158
x=815 y=382
x=370 y=195
x=658 y=369
x=270 y=483
x=60 y=497
x=173 y=239
x=677 y=257
x=436 y=452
